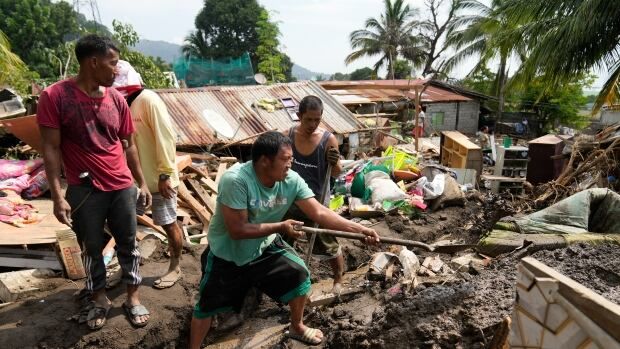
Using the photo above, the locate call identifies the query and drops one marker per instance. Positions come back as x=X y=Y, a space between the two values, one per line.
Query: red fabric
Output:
x=127 y=91
x=91 y=132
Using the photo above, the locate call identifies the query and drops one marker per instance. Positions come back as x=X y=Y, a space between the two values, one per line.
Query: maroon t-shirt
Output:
x=90 y=130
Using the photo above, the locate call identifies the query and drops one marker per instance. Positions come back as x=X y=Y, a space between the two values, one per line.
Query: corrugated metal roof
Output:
x=234 y=104
x=368 y=91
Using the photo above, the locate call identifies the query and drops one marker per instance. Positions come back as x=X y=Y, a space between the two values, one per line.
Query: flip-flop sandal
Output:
x=134 y=311
x=162 y=283
x=95 y=313
x=309 y=336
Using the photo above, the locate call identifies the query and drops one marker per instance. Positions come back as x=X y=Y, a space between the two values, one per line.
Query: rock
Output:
x=443 y=218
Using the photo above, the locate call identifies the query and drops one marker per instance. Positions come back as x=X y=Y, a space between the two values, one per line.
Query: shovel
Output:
x=387 y=240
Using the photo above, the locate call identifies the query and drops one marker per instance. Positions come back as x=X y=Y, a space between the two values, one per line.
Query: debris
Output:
x=379 y=264
x=592 y=161
x=20 y=284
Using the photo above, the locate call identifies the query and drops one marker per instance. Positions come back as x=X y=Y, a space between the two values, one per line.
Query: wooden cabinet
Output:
x=457 y=151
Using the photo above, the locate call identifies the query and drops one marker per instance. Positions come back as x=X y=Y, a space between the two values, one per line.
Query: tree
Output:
x=267 y=53
x=433 y=32
x=485 y=34
x=481 y=80
x=225 y=28
x=556 y=106
x=11 y=66
x=568 y=38
x=402 y=69
x=126 y=37
x=388 y=37
x=340 y=77
x=37 y=30
x=362 y=74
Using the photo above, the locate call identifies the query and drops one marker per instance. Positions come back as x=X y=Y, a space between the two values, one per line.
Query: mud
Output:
x=465 y=313
x=42 y=322
x=461 y=223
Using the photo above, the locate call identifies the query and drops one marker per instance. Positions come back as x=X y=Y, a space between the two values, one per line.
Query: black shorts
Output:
x=279 y=272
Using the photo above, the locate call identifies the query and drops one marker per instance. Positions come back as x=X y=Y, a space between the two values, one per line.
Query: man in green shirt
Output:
x=245 y=249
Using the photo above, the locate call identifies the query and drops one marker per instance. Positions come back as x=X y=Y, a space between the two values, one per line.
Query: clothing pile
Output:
x=19 y=180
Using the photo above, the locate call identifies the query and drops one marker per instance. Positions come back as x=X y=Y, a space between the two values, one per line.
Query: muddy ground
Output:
x=462 y=311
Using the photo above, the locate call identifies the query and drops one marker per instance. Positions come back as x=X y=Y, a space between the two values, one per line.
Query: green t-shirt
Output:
x=240 y=189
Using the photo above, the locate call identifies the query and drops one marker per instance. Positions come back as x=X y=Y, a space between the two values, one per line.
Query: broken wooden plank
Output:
x=31 y=259
x=206 y=180
x=146 y=220
x=330 y=298
x=203 y=197
x=182 y=161
x=200 y=210
x=220 y=171
x=19 y=284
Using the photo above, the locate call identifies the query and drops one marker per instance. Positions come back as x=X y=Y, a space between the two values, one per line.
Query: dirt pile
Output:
x=465 y=313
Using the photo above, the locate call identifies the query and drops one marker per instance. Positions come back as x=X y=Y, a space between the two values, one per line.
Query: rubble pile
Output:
x=593 y=163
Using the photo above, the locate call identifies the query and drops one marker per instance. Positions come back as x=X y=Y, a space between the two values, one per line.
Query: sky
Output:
x=315 y=33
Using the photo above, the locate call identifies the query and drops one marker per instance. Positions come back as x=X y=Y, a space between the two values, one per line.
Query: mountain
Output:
x=301 y=73
x=166 y=50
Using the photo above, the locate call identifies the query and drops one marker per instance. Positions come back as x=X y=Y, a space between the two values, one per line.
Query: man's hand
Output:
x=288 y=227
x=62 y=211
x=372 y=238
x=333 y=156
x=144 y=197
x=165 y=189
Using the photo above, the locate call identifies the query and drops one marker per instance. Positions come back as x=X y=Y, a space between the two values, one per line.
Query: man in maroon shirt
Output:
x=86 y=126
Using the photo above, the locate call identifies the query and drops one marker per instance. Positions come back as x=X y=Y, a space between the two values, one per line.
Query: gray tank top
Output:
x=312 y=168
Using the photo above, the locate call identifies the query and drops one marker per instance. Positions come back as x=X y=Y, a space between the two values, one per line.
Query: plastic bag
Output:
x=410 y=263
x=17 y=168
x=434 y=189
x=384 y=189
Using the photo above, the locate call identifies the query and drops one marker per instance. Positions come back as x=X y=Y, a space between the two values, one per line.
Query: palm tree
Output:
x=196 y=45
x=389 y=36
x=484 y=31
x=568 y=38
x=10 y=63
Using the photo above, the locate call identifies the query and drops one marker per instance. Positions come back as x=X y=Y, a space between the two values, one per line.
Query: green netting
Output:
x=198 y=72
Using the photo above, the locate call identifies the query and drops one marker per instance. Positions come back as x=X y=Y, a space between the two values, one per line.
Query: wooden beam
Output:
x=146 y=220
x=205 y=178
x=20 y=258
x=203 y=197
x=220 y=171
x=182 y=162
x=200 y=210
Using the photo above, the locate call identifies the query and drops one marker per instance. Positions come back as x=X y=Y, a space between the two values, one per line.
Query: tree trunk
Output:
x=391 y=65
x=501 y=84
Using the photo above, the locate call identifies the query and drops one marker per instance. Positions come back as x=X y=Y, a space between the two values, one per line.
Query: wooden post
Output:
x=417 y=114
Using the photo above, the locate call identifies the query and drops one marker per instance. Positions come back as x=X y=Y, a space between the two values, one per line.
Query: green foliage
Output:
x=402 y=69
x=388 y=37
x=126 y=37
x=362 y=74
x=225 y=28
x=482 y=80
x=568 y=38
x=554 y=106
x=269 y=58
x=340 y=77
x=38 y=31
